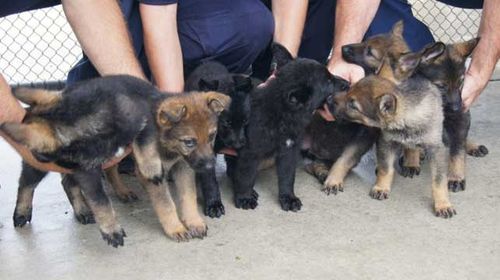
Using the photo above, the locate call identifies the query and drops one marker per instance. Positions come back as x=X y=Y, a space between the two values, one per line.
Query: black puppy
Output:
x=213 y=76
x=280 y=112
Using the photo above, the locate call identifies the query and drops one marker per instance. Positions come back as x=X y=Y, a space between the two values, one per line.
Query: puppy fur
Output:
x=280 y=112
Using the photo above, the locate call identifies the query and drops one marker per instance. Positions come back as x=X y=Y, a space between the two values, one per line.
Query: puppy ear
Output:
x=297 y=98
x=217 y=102
x=170 y=112
x=242 y=83
x=205 y=85
x=406 y=65
x=432 y=51
x=397 y=29
x=387 y=104
x=280 y=55
x=465 y=49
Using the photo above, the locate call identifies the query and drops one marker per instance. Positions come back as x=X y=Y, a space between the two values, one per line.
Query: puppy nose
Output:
x=347 y=51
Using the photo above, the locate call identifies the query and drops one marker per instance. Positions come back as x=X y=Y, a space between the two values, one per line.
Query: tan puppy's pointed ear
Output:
x=217 y=102
x=432 y=51
x=465 y=49
x=387 y=104
x=385 y=70
x=398 y=28
x=170 y=111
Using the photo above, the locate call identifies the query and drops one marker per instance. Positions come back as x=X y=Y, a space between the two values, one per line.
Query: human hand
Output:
x=473 y=86
x=350 y=72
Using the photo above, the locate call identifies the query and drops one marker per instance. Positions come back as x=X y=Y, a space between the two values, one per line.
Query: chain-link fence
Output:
x=39 y=46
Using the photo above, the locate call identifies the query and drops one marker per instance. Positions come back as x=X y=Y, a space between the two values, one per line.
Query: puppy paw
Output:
x=379 y=193
x=479 y=151
x=444 y=210
x=197 y=230
x=456 y=185
x=180 y=233
x=408 y=171
x=290 y=202
x=319 y=174
x=247 y=202
x=333 y=186
x=21 y=219
x=214 y=209
x=128 y=196
x=85 y=218
x=114 y=238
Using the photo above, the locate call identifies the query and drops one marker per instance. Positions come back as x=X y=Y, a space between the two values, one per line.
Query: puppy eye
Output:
x=352 y=105
x=190 y=142
x=369 y=51
x=211 y=137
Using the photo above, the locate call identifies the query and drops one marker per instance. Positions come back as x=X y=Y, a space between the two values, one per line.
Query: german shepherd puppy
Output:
x=213 y=76
x=409 y=113
x=445 y=73
x=84 y=125
x=280 y=112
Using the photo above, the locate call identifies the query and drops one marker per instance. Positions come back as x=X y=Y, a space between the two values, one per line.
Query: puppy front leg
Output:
x=81 y=210
x=91 y=183
x=410 y=162
x=457 y=127
x=350 y=157
x=165 y=209
x=245 y=173
x=184 y=178
x=386 y=156
x=286 y=163
x=208 y=184
x=124 y=193
x=440 y=195
x=29 y=180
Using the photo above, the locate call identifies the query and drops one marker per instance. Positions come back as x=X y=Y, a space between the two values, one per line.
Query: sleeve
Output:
x=158 y=2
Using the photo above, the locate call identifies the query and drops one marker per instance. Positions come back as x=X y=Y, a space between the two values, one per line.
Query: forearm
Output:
x=101 y=30
x=163 y=49
x=487 y=52
x=289 y=18
x=352 y=19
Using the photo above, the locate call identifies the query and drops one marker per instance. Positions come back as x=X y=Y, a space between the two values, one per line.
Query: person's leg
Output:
x=234 y=36
x=317 y=38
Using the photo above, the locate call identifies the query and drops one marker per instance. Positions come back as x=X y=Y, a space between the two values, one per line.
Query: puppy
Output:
x=212 y=76
x=409 y=113
x=336 y=148
x=280 y=112
x=86 y=124
x=447 y=72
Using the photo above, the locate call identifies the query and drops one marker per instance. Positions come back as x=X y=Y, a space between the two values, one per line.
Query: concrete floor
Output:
x=348 y=236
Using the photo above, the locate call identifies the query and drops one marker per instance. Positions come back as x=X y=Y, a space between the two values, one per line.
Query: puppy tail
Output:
x=39 y=137
x=38 y=99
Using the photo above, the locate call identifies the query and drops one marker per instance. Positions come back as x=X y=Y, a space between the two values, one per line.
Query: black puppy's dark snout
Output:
x=347 y=51
x=329 y=100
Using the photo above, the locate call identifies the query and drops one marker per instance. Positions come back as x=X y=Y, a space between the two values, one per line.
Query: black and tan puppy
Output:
x=280 y=112
x=86 y=124
x=447 y=72
x=409 y=113
x=213 y=76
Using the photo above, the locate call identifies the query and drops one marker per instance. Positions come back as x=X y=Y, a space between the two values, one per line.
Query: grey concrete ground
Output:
x=348 y=236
